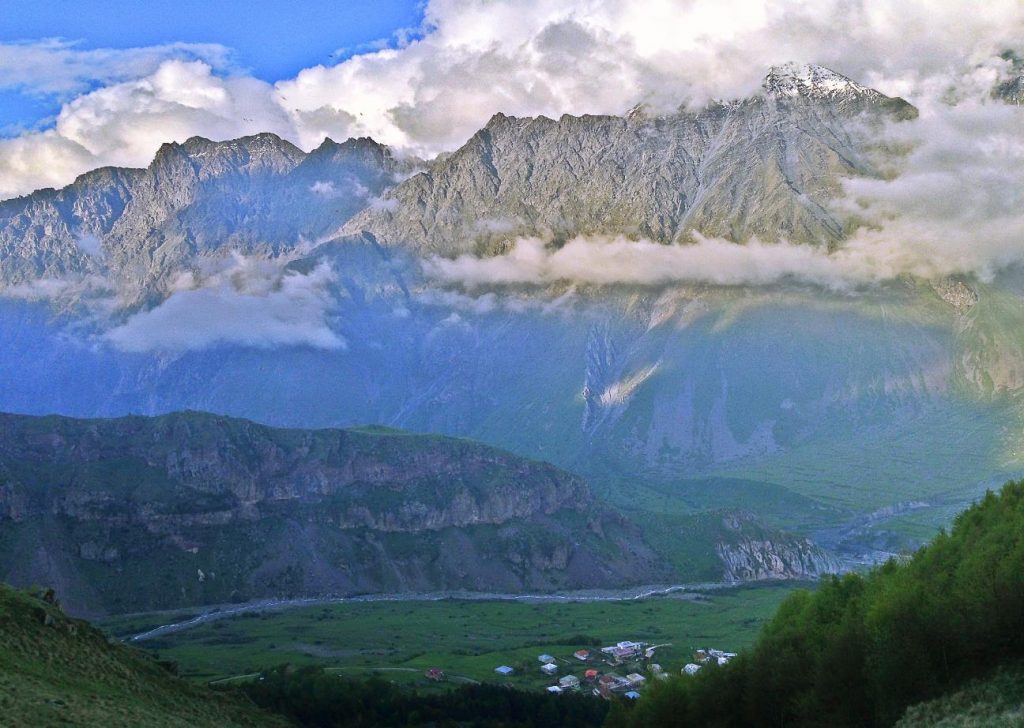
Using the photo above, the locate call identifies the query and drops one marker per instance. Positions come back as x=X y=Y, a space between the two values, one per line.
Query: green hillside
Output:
x=55 y=670
x=861 y=649
x=147 y=513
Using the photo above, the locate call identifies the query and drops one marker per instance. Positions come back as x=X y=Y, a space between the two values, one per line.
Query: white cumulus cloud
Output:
x=475 y=57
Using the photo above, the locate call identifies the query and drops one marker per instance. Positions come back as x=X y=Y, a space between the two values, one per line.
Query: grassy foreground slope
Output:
x=55 y=670
x=997 y=702
x=862 y=649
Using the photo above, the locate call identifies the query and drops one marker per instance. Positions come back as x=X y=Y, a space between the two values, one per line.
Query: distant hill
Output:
x=60 y=671
x=142 y=513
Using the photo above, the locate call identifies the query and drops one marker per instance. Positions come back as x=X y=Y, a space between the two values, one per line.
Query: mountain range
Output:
x=251 y=279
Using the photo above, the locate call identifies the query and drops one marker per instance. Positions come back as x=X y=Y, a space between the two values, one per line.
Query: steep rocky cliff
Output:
x=753 y=553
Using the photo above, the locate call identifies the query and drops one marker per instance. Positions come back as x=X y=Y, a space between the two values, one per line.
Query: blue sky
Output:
x=270 y=40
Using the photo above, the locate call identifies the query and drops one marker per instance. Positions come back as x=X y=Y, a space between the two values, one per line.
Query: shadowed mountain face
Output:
x=139 y=513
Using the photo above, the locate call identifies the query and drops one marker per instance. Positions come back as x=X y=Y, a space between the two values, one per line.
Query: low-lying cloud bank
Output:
x=957 y=202
x=472 y=58
x=616 y=260
x=238 y=301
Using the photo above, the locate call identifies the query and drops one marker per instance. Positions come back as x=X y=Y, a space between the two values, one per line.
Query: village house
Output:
x=690 y=669
x=632 y=695
x=555 y=690
x=591 y=675
x=611 y=683
x=718 y=656
x=624 y=651
x=549 y=669
x=569 y=682
x=504 y=670
x=581 y=655
x=435 y=673
x=545 y=659
x=636 y=680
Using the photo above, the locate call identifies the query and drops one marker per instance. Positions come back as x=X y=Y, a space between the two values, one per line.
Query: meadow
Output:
x=467 y=639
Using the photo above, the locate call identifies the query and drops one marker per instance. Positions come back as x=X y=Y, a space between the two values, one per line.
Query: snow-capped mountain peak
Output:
x=792 y=80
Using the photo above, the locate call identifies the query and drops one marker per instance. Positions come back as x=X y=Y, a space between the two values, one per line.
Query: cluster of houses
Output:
x=703 y=657
x=603 y=683
x=608 y=684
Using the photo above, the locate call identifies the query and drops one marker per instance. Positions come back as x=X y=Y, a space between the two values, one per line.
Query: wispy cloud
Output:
x=62 y=68
x=616 y=260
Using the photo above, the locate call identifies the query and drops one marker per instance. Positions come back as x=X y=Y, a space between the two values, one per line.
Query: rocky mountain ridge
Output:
x=376 y=478
x=767 y=166
x=140 y=513
x=139 y=227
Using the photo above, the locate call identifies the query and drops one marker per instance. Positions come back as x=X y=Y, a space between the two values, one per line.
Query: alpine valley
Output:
x=421 y=429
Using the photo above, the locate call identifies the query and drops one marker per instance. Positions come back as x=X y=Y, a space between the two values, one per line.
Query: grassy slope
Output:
x=997 y=702
x=68 y=673
x=463 y=637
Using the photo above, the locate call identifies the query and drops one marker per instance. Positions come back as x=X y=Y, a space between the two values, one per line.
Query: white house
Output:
x=636 y=680
x=549 y=669
x=569 y=682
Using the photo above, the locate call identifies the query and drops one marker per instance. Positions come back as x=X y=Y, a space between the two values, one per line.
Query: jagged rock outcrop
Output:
x=758 y=557
x=767 y=166
x=1011 y=89
x=761 y=560
x=956 y=293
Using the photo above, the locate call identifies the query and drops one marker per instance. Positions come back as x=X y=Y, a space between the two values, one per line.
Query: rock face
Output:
x=757 y=554
x=1011 y=90
x=188 y=508
x=766 y=166
x=750 y=560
